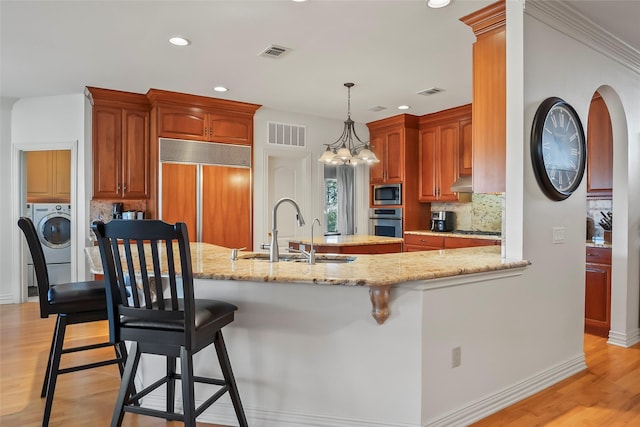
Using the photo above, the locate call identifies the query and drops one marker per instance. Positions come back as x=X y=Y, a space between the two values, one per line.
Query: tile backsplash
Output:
x=484 y=213
x=594 y=209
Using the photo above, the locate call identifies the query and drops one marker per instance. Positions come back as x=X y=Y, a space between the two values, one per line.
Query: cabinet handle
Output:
x=124 y=188
x=117 y=188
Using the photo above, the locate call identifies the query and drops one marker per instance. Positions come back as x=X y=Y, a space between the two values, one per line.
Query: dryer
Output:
x=53 y=224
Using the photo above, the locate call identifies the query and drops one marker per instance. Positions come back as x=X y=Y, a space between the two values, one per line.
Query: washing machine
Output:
x=53 y=225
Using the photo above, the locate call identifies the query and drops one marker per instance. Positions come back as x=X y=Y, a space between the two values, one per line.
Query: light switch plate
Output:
x=558 y=235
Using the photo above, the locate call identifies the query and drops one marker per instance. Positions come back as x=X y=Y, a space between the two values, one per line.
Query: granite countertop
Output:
x=353 y=240
x=213 y=262
x=590 y=244
x=452 y=234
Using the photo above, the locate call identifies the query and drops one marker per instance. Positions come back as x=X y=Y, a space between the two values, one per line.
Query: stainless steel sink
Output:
x=320 y=258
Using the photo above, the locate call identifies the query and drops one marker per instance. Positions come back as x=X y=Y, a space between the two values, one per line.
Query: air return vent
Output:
x=287 y=135
x=430 y=91
x=273 y=51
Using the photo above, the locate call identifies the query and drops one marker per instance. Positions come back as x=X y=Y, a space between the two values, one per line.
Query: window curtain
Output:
x=346 y=212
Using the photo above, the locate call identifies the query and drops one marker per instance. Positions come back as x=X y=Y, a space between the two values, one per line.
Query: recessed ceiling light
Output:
x=403 y=107
x=179 y=41
x=220 y=89
x=299 y=1
x=436 y=4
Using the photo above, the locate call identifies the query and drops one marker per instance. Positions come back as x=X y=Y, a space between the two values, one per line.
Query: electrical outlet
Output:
x=456 y=357
x=558 y=235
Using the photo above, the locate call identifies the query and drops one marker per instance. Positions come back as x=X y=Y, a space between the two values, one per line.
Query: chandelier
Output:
x=345 y=150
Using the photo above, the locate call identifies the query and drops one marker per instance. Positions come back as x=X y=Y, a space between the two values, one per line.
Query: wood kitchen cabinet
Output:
x=120 y=128
x=48 y=176
x=597 y=301
x=444 y=146
x=366 y=249
x=430 y=242
x=599 y=150
x=197 y=124
x=489 y=97
x=394 y=140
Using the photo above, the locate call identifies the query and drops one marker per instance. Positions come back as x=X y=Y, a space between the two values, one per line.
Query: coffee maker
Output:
x=443 y=220
x=117 y=210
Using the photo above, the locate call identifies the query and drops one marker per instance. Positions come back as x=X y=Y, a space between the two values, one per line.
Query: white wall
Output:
x=7 y=222
x=45 y=123
x=560 y=268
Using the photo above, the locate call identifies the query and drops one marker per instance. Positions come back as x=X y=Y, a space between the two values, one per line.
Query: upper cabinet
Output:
x=199 y=118
x=48 y=176
x=599 y=150
x=394 y=141
x=489 y=97
x=444 y=152
x=120 y=127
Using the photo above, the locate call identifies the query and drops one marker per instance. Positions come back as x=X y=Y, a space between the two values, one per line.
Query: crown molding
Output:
x=574 y=24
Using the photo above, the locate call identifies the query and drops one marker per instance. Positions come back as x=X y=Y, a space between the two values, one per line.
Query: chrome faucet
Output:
x=311 y=255
x=274 y=255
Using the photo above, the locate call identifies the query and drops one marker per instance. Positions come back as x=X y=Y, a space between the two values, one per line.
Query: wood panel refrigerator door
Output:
x=226 y=206
x=179 y=195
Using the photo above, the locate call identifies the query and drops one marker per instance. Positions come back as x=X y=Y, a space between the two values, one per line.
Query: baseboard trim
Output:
x=622 y=339
x=510 y=395
x=223 y=413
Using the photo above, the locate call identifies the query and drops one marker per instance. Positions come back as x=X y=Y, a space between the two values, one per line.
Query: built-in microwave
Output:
x=386 y=195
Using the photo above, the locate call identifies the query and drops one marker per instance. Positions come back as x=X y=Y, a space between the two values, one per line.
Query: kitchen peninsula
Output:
x=305 y=349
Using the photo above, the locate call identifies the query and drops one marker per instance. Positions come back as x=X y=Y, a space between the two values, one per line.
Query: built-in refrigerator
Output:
x=208 y=186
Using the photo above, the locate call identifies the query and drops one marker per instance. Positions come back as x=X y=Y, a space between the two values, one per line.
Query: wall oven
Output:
x=385 y=222
x=387 y=194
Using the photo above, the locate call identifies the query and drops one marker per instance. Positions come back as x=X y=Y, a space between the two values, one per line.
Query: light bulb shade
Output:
x=365 y=154
x=373 y=158
x=343 y=153
x=327 y=156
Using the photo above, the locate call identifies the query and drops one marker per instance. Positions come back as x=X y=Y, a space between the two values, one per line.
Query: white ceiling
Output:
x=390 y=49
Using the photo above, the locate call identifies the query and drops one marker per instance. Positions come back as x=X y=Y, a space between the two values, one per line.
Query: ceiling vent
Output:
x=273 y=51
x=430 y=91
x=287 y=135
x=377 y=108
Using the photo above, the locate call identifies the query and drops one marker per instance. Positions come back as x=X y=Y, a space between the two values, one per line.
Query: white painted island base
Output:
x=311 y=355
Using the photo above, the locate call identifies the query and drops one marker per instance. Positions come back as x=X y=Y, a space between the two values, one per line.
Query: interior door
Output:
x=226 y=206
x=179 y=198
x=287 y=176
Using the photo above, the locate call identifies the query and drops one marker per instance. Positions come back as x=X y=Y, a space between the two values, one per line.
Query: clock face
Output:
x=558 y=148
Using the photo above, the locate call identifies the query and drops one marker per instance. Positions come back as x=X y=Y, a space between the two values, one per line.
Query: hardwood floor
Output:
x=84 y=398
x=606 y=394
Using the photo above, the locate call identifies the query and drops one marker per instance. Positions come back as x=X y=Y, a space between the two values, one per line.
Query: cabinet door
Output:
x=61 y=177
x=599 y=150
x=135 y=154
x=179 y=196
x=597 y=303
x=428 y=154
x=233 y=130
x=395 y=157
x=38 y=175
x=466 y=147
x=226 y=206
x=107 y=155
x=376 y=170
x=447 y=161
x=182 y=123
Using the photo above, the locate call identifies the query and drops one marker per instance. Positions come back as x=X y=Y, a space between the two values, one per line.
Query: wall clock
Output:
x=558 y=148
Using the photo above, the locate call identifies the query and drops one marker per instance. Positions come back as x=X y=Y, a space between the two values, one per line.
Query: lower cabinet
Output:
x=597 y=301
x=428 y=242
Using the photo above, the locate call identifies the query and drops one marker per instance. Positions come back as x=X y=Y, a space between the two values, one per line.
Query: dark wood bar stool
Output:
x=139 y=259
x=73 y=303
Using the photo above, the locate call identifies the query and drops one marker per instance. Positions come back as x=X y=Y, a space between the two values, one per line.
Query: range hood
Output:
x=462 y=185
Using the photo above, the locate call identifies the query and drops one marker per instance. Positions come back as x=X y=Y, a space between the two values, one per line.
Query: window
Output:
x=330 y=200
x=339 y=211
